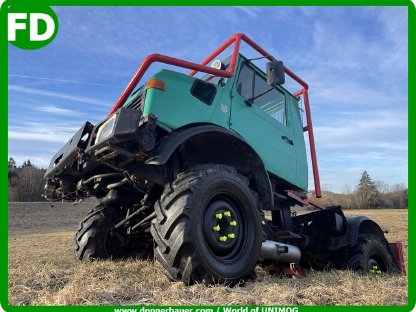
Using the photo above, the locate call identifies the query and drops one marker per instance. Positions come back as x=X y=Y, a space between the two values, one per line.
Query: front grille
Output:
x=138 y=102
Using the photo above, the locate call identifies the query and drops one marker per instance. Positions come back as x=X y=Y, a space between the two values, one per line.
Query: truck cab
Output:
x=267 y=117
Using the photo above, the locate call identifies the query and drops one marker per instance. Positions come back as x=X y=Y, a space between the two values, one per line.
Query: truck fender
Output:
x=363 y=224
x=235 y=152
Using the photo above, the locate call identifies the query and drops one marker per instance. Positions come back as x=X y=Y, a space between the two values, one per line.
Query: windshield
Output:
x=215 y=79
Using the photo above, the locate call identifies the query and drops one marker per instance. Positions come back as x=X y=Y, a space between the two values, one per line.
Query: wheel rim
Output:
x=224 y=227
x=374 y=266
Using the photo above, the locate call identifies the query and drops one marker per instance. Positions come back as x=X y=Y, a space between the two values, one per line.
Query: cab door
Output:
x=264 y=122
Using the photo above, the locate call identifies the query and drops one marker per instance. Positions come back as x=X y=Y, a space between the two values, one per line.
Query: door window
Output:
x=271 y=101
x=245 y=82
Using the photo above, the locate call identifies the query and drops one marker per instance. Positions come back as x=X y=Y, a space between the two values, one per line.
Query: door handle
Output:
x=287 y=140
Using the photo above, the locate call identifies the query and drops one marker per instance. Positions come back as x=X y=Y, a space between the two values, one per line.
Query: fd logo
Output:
x=31 y=27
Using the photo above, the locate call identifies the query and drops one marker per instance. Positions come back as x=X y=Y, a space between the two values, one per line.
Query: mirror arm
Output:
x=259 y=58
x=250 y=101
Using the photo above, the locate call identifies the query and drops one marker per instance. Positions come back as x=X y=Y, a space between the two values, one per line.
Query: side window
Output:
x=272 y=102
x=203 y=91
x=245 y=82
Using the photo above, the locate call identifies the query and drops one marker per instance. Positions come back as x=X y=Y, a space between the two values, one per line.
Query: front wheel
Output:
x=208 y=227
x=96 y=237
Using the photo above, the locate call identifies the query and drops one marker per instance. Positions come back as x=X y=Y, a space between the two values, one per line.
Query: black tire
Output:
x=187 y=245
x=97 y=239
x=370 y=255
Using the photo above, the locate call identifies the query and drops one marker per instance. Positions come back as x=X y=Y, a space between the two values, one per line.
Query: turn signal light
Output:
x=156 y=83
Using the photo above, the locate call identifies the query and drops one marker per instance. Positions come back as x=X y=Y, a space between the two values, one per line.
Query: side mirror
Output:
x=275 y=73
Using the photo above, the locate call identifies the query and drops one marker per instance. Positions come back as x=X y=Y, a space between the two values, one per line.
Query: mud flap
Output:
x=396 y=250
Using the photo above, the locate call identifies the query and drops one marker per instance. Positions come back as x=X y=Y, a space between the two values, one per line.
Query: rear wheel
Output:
x=370 y=255
x=208 y=227
x=96 y=237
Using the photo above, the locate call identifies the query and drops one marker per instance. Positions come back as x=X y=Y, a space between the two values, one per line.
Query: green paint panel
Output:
x=176 y=107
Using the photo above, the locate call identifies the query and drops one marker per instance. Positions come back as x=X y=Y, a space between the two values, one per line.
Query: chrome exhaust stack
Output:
x=280 y=252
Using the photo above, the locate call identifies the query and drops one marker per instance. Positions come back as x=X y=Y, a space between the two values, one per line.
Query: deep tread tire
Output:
x=181 y=245
x=95 y=239
x=367 y=250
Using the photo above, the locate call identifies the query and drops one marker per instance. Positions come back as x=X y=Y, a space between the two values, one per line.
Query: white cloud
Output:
x=81 y=99
x=349 y=92
x=51 y=109
x=65 y=81
x=354 y=141
x=386 y=130
x=348 y=63
x=252 y=11
x=58 y=133
x=395 y=33
x=50 y=137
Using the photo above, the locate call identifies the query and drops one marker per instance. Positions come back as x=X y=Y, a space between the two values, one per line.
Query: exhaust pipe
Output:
x=281 y=252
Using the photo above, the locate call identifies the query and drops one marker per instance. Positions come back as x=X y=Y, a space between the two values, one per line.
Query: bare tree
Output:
x=348 y=197
x=399 y=195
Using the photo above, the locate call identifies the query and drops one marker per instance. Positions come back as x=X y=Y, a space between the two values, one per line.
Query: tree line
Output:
x=26 y=184
x=368 y=194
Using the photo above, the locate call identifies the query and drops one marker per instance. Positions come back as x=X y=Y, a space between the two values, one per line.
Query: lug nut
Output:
x=223 y=238
x=216 y=228
x=232 y=235
x=227 y=214
x=233 y=223
x=218 y=216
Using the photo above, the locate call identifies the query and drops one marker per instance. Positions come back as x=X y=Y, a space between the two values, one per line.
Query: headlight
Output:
x=106 y=129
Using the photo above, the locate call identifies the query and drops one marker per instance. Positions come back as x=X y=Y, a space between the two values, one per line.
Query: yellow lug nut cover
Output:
x=232 y=235
x=227 y=213
x=223 y=238
x=233 y=223
x=218 y=216
x=216 y=228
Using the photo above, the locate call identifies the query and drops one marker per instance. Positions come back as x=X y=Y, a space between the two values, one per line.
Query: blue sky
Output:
x=354 y=59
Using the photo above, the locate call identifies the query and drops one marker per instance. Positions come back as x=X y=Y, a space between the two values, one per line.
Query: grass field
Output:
x=43 y=271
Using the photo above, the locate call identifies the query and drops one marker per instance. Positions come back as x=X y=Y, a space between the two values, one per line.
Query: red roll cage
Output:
x=228 y=73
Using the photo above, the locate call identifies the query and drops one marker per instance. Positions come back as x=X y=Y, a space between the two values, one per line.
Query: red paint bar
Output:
x=305 y=201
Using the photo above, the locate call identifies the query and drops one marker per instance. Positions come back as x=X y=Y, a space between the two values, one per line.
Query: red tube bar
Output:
x=224 y=46
x=309 y=128
x=167 y=60
x=228 y=73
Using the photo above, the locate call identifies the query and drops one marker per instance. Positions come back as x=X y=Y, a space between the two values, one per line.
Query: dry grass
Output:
x=43 y=271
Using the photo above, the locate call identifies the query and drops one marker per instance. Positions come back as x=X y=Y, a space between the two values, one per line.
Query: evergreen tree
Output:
x=12 y=171
x=27 y=163
x=366 y=192
x=12 y=163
